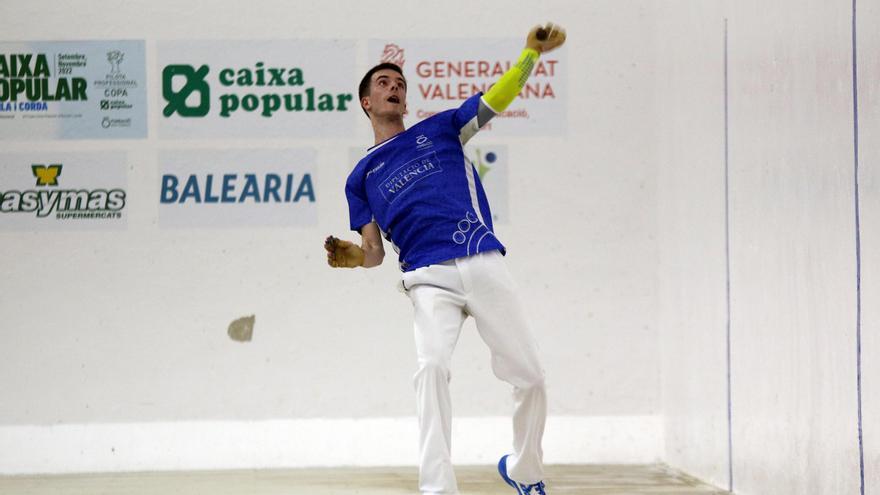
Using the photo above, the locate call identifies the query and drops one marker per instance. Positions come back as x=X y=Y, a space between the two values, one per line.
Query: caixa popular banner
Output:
x=72 y=90
x=63 y=191
x=257 y=89
x=238 y=188
x=442 y=73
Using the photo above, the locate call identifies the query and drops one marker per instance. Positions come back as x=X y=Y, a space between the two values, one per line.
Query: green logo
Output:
x=26 y=78
x=260 y=89
x=195 y=81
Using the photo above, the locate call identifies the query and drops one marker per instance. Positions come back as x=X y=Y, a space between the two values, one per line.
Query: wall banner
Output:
x=441 y=74
x=237 y=188
x=63 y=191
x=257 y=89
x=72 y=90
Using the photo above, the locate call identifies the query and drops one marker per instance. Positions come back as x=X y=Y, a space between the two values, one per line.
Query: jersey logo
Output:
x=423 y=143
x=375 y=169
x=466 y=234
x=403 y=179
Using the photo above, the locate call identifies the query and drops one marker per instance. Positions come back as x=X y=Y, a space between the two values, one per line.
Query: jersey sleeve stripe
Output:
x=472 y=186
x=469 y=130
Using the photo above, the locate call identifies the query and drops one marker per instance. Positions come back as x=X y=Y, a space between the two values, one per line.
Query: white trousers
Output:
x=443 y=295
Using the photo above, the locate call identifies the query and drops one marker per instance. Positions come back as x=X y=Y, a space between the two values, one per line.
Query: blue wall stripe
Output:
x=855 y=79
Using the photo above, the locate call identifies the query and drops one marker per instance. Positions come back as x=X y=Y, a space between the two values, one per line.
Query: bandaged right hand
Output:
x=343 y=254
x=553 y=37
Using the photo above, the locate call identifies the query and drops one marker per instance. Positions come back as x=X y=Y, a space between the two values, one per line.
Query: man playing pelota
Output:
x=416 y=188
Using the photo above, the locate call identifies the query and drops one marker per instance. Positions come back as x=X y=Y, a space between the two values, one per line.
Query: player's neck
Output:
x=387 y=128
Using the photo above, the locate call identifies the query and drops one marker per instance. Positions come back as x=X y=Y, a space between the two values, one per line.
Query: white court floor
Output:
x=473 y=480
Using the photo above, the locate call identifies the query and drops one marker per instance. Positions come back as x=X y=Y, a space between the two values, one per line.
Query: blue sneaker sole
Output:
x=502 y=470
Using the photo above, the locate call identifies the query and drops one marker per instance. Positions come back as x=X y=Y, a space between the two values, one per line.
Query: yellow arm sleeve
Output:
x=512 y=82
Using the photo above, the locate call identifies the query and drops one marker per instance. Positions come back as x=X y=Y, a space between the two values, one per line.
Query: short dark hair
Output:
x=364 y=87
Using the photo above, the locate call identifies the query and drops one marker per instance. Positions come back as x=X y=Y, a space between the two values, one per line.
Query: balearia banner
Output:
x=72 y=90
x=238 y=188
x=257 y=89
x=63 y=191
x=442 y=73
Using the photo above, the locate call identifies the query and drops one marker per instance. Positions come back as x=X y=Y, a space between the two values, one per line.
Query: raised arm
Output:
x=346 y=254
x=540 y=40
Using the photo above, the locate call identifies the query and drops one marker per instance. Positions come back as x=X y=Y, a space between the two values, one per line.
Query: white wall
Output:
x=690 y=212
x=128 y=329
x=115 y=354
x=793 y=360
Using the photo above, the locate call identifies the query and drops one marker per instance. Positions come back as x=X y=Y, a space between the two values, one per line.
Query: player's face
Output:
x=387 y=93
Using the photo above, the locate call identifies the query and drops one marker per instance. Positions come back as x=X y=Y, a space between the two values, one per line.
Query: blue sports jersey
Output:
x=422 y=191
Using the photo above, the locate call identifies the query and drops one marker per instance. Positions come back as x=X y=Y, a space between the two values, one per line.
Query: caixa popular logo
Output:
x=233 y=188
x=30 y=77
x=261 y=89
x=48 y=198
